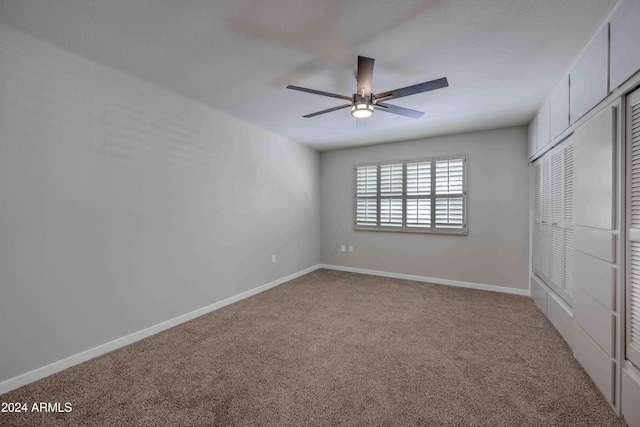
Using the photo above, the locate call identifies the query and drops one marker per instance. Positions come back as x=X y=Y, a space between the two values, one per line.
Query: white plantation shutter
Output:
x=367 y=211
x=391 y=179
x=421 y=196
x=418 y=178
x=391 y=212
x=449 y=175
x=449 y=211
x=366 y=195
x=367 y=181
x=419 y=213
x=418 y=192
x=391 y=188
x=633 y=233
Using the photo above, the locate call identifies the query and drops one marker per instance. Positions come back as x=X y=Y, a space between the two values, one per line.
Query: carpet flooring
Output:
x=335 y=349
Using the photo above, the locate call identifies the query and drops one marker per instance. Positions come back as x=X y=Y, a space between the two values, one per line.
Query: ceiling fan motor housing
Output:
x=362 y=106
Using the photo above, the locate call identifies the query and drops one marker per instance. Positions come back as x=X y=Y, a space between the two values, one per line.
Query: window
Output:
x=427 y=196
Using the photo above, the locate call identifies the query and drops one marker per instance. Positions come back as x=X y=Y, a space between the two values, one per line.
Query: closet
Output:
x=553 y=219
x=584 y=149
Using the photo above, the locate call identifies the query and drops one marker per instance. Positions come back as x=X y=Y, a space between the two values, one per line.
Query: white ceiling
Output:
x=501 y=57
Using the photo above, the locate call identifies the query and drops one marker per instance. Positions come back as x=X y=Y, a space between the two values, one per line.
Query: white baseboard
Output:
x=45 y=371
x=437 y=281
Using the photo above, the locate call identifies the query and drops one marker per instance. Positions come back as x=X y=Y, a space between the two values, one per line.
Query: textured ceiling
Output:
x=501 y=57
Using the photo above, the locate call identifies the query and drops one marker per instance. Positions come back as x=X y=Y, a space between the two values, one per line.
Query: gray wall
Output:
x=496 y=250
x=123 y=205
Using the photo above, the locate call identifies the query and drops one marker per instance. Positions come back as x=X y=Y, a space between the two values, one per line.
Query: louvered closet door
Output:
x=633 y=232
x=552 y=200
x=545 y=236
x=537 y=218
x=556 y=260
x=561 y=214
x=567 y=159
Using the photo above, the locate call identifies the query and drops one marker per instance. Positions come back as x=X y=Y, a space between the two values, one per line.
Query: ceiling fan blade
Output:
x=365 y=75
x=319 y=92
x=407 y=112
x=328 y=110
x=412 y=90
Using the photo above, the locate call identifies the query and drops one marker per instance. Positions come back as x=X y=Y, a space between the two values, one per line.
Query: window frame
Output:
x=404 y=228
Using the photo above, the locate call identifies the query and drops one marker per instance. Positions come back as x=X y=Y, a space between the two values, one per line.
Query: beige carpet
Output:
x=333 y=348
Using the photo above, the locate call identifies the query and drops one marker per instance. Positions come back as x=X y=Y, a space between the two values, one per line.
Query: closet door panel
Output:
x=598 y=365
x=560 y=317
x=630 y=398
x=589 y=75
x=539 y=295
x=559 y=108
x=598 y=243
x=596 y=277
x=532 y=143
x=542 y=129
x=594 y=152
x=594 y=319
x=625 y=33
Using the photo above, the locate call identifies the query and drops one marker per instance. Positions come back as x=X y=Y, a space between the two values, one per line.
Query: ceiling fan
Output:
x=363 y=102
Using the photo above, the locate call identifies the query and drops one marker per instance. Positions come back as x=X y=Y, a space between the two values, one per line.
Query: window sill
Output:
x=454 y=232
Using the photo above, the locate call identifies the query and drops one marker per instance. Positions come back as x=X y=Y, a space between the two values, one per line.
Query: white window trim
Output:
x=464 y=230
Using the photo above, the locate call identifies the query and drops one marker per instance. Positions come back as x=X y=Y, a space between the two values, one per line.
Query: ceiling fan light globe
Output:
x=361 y=110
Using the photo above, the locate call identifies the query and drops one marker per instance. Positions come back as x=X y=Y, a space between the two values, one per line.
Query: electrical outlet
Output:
x=343 y=248
x=350 y=249
x=273 y=259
